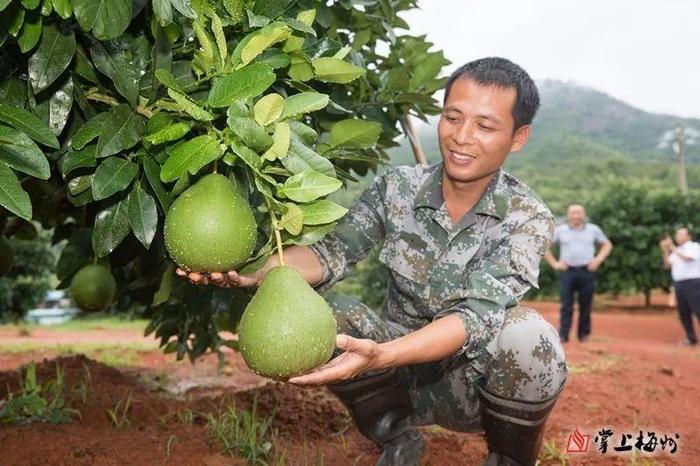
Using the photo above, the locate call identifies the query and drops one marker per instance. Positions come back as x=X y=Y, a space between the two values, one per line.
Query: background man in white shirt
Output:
x=683 y=258
x=578 y=261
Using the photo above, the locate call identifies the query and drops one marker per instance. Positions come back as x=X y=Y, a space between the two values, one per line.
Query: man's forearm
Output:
x=604 y=252
x=437 y=340
x=301 y=258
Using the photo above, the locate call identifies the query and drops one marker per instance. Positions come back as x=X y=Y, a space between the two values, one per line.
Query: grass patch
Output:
x=87 y=322
x=242 y=433
x=34 y=402
x=119 y=415
x=111 y=354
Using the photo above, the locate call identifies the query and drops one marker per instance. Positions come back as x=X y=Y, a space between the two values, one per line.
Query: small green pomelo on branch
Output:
x=7 y=257
x=288 y=328
x=93 y=288
x=210 y=227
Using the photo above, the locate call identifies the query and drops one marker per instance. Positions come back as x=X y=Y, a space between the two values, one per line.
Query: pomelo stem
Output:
x=275 y=226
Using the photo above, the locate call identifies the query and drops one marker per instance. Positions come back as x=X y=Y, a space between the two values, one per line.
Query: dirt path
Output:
x=630 y=376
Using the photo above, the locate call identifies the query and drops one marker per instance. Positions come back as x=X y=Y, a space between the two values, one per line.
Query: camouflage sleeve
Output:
x=354 y=236
x=499 y=280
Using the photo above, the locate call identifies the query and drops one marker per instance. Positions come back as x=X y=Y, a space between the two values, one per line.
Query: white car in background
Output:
x=56 y=308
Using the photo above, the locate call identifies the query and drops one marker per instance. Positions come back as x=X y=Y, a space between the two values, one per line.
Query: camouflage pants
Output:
x=525 y=362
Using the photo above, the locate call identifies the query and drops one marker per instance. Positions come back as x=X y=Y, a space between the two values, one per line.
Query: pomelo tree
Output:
x=111 y=109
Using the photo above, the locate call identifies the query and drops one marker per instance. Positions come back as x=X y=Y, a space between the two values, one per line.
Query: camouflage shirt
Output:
x=476 y=268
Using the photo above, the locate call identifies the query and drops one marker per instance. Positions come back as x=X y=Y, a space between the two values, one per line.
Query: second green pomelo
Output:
x=6 y=256
x=287 y=329
x=93 y=288
x=210 y=227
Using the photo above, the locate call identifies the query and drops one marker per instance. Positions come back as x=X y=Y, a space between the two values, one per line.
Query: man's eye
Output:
x=451 y=119
x=486 y=128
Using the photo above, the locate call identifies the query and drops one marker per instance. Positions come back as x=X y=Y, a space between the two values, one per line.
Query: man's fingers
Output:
x=195 y=277
x=354 y=345
x=217 y=277
x=181 y=272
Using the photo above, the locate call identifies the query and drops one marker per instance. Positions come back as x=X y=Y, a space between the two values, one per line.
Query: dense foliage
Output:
x=110 y=109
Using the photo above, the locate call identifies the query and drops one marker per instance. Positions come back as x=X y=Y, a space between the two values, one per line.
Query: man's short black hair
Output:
x=503 y=73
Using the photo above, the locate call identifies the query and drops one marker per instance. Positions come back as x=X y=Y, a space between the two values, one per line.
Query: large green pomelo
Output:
x=93 y=288
x=287 y=329
x=210 y=227
x=7 y=257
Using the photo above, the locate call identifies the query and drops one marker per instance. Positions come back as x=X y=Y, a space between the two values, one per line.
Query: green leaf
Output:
x=268 y=109
x=21 y=153
x=60 y=105
x=322 y=212
x=112 y=176
x=301 y=72
x=280 y=144
x=31 y=32
x=264 y=38
x=218 y=30
x=143 y=215
x=121 y=131
x=251 y=133
x=89 y=131
x=4 y=4
x=274 y=58
x=77 y=159
x=293 y=219
x=249 y=156
x=241 y=84
x=107 y=19
x=309 y=186
x=152 y=170
x=79 y=184
x=50 y=60
x=172 y=132
x=168 y=80
x=302 y=158
x=111 y=227
x=185 y=8
x=355 y=134
x=307 y=16
x=116 y=66
x=27 y=122
x=12 y=196
x=334 y=70
x=306 y=134
x=190 y=156
x=310 y=234
x=300 y=26
x=83 y=66
x=304 y=102
x=190 y=106
x=30 y=4
x=12 y=20
x=163 y=11
x=257 y=21
x=63 y=8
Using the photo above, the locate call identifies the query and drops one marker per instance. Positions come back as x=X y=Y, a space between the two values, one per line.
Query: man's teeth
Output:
x=462 y=157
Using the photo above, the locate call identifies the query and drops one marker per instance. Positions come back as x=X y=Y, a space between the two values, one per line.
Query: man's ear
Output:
x=520 y=138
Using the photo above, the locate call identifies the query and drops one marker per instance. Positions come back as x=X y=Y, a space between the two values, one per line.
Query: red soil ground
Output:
x=630 y=376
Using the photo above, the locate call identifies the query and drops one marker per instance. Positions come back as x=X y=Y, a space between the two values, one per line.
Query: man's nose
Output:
x=465 y=134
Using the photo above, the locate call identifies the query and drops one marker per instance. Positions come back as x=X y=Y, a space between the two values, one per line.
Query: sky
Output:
x=645 y=52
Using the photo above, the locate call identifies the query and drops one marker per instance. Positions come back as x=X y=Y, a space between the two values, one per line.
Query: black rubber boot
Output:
x=513 y=429
x=382 y=408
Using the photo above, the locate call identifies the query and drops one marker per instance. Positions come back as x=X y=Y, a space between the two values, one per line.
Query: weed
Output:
x=186 y=416
x=82 y=388
x=550 y=454
x=120 y=414
x=168 y=447
x=242 y=432
x=33 y=402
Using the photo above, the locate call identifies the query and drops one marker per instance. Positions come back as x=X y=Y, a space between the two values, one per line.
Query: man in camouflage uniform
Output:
x=452 y=346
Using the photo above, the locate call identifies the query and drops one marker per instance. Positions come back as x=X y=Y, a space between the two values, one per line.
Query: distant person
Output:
x=683 y=258
x=578 y=261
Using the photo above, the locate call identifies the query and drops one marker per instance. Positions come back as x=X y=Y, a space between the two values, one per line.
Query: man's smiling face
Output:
x=476 y=130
